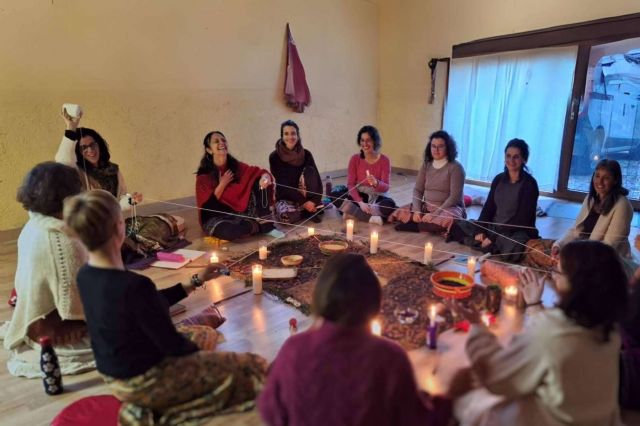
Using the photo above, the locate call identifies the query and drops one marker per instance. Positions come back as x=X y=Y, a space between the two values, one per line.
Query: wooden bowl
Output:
x=333 y=247
x=450 y=284
x=291 y=260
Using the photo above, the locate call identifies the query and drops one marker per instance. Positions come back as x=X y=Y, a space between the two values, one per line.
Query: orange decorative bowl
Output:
x=450 y=284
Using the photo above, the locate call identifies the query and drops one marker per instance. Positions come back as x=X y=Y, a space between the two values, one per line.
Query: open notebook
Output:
x=189 y=256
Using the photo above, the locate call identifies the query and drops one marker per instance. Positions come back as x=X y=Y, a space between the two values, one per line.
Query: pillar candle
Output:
x=432 y=335
x=256 y=274
x=311 y=231
x=373 y=243
x=511 y=294
x=471 y=267
x=214 y=258
x=349 y=229
x=428 y=253
x=262 y=252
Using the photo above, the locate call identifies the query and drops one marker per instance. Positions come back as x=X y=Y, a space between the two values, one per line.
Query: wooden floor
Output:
x=254 y=323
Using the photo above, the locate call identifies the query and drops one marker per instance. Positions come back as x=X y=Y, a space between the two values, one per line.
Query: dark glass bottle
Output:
x=51 y=375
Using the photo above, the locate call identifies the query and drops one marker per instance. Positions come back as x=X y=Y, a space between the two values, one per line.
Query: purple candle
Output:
x=432 y=335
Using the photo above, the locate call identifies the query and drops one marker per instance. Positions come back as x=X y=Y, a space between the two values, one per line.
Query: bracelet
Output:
x=528 y=305
x=196 y=281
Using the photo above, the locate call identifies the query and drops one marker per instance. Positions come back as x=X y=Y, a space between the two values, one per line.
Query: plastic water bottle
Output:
x=51 y=375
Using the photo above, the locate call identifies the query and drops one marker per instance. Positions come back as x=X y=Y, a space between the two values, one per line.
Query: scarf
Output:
x=293 y=157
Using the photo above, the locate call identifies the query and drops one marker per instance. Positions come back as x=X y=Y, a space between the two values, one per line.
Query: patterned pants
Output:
x=188 y=389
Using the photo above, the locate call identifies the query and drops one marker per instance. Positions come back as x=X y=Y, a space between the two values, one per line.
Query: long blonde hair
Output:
x=92 y=216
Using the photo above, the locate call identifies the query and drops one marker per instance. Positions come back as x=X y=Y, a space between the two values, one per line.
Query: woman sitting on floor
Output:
x=606 y=212
x=563 y=368
x=234 y=198
x=338 y=373
x=299 y=187
x=508 y=218
x=368 y=181
x=49 y=258
x=437 y=195
x=147 y=364
x=86 y=150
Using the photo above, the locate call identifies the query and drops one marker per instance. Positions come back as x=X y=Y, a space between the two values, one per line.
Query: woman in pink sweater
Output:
x=368 y=181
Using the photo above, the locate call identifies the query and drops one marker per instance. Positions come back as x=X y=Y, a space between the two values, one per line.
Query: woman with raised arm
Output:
x=298 y=183
x=158 y=373
x=234 y=198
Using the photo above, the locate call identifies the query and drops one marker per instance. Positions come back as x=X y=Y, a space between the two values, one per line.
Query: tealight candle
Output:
x=376 y=327
x=428 y=253
x=350 y=229
x=486 y=319
x=511 y=293
x=311 y=231
x=373 y=246
x=214 y=258
x=256 y=275
x=262 y=252
x=471 y=267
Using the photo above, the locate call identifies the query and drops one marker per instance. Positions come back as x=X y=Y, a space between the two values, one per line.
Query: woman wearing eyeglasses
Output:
x=562 y=369
x=437 y=195
x=508 y=218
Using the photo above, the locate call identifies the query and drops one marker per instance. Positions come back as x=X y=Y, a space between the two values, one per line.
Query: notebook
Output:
x=189 y=256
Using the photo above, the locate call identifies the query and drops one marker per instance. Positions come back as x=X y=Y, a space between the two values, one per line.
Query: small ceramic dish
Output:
x=291 y=260
x=333 y=247
x=450 y=284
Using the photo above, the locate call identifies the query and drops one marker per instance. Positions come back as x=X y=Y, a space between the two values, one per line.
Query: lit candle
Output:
x=349 y=229
x=256 y=274
x=511 y=293
x=432 y=313
x=373 y=246
x=486 y=319
x=471 y=267
x=428 y=253
x=262 y=252
x=432 y=335
x=214 y=258
x=311 y=231
x=376 y=327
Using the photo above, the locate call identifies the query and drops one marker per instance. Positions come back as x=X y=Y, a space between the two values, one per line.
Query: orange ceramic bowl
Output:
x=450 y=284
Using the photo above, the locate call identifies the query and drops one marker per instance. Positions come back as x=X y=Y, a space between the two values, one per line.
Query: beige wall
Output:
x=154 y=76
x=412 y=31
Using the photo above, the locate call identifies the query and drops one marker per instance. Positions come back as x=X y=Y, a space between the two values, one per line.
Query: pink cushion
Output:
x=99 y=410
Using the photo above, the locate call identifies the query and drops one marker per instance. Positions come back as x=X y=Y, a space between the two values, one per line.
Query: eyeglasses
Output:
x=438 y=147
x=91 y=145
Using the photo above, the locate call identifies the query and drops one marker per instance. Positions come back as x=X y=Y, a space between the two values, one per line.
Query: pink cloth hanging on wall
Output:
x=296 y=90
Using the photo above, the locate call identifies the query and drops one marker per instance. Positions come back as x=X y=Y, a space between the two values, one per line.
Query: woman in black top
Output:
x=144 y=360
x=299 y=187
x=508 y=218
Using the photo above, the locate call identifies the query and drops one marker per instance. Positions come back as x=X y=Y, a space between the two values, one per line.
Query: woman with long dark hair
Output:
x=606 y=212
x=563 y=367
x=299 y=189
x=234 y=198
x=508 y=218
x=437 y=195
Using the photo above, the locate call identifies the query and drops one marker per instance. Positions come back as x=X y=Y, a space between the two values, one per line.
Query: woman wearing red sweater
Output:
x=368 y=180
x=234 y=198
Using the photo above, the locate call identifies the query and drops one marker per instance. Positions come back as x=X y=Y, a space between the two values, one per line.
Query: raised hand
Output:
x=71 y=122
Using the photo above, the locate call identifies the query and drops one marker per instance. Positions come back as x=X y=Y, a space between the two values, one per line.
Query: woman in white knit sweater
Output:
x=48 y=302
x=563 y=368
x=606 y=212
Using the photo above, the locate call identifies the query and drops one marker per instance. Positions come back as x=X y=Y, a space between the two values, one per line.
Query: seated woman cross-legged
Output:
x=234 y=199
x=368 y=181
x=437 y=195
x=562 y=369
x=147 y=364
x=338 y=373
x=49 y=258
x=508 y=218
x=606 y=213
x=299 y=187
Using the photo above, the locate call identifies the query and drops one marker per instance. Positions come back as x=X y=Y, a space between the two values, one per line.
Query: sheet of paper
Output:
x=189 y=256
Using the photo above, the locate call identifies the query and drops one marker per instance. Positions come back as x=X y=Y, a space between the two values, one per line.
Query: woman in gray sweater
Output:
x=437 y=196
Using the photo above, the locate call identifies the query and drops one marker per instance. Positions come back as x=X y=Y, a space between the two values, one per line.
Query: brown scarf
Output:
x=293 y=157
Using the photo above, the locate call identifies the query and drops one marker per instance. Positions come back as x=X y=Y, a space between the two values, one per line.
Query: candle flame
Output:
x=376 y=327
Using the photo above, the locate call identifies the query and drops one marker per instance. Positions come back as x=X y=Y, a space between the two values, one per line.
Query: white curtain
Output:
x=495 y=98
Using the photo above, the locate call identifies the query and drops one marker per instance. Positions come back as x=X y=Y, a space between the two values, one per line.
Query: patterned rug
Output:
x=406 y=284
